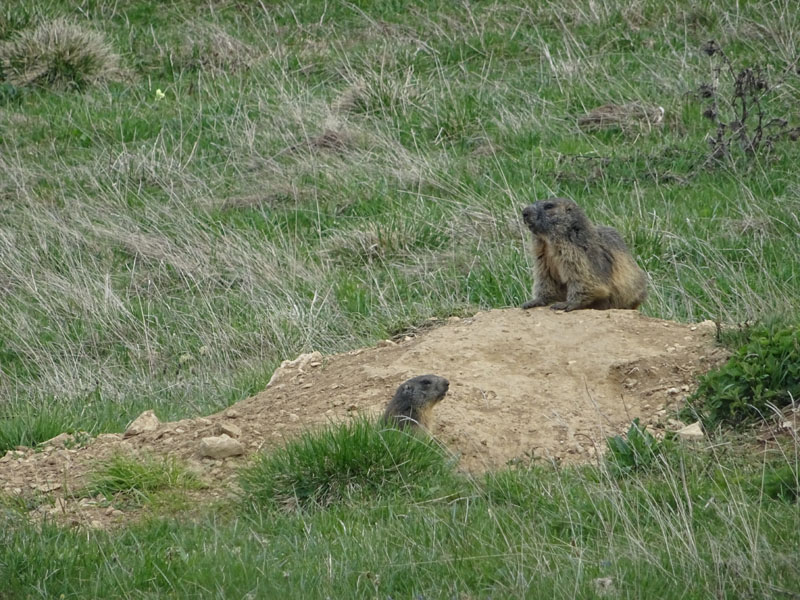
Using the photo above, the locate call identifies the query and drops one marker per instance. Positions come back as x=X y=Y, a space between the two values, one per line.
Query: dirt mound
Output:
x=523 y=384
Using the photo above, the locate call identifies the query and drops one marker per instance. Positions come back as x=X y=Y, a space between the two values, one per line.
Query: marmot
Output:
x=414 y=400
x=579 y=265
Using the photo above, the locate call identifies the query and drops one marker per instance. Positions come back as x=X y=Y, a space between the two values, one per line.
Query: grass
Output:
x=348 y=463
x=700 y=525
x=318 y=176
x=139 y=480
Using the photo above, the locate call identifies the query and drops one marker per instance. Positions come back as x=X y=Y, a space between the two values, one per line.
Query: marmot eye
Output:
x=549 y=205
x=425 y=382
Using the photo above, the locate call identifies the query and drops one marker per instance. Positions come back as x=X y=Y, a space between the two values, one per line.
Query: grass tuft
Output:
x=348 y=462
x=60 y=55
x=138 y=478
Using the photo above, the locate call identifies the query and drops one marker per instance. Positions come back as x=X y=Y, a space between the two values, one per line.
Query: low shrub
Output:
x=763 y=375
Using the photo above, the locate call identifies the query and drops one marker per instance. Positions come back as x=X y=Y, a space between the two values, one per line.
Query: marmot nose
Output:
x=527 y=212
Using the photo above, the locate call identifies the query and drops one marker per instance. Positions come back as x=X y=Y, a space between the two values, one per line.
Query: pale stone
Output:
x=298 y=363
x=675 y=424
x=220 y=447
x=62 y=439
x=48 y=487
x=147 y=421
x=229 y=429
x=691 y=432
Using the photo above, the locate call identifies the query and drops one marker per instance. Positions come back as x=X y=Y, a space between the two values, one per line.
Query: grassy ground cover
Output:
x=241 y=182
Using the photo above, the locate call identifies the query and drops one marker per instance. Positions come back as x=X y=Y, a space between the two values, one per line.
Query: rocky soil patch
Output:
x=523 y=385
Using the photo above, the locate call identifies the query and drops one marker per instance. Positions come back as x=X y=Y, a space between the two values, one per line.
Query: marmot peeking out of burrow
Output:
x=413 y=402
x=578 y=264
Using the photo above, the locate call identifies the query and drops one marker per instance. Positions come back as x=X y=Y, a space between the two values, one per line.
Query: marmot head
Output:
x=554 y=216
x=423 y=390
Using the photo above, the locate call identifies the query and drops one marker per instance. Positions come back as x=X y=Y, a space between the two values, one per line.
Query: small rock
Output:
x=61 y=440
x=787 y=426
x=675 y=424
x=308 y=386
x=386 y=343
x=220 y=447
x=293 y=417
x=229 y=429
x=315 y=364
x=693 y=432
x=298 y=363
x=96 y=524
x=453 y=319
x=147 y=421
x=408 y=338
x=673 y=391
x=352 y=407
x=232 y=413
x=48 y=487
x=335 y=386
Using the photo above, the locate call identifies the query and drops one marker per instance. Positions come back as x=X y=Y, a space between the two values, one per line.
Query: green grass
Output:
x=356 y=461
x=167 y=253
x=140 y=480
x=137 y=230
x=699 y=525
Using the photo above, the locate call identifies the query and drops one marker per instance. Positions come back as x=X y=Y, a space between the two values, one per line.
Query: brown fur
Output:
x=413 y=402
x=577 y=264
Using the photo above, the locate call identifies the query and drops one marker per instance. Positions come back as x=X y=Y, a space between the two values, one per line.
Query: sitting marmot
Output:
x=579 y=265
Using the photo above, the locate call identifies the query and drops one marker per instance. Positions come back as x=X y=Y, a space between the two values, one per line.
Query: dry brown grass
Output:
x=59 y=54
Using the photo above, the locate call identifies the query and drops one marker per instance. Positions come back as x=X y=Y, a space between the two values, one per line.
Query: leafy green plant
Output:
x=763 y=373
x=639 y=450
x=347 y=462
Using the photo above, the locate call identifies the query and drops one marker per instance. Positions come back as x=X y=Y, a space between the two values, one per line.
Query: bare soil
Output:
x=523 y=385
